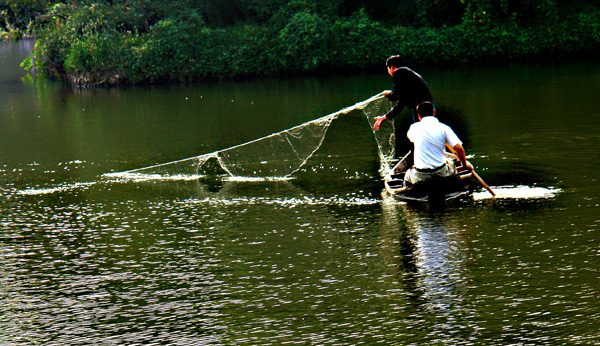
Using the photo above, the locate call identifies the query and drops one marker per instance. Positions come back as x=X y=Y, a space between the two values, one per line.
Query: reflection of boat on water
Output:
x=439 y=189
x=431 y=255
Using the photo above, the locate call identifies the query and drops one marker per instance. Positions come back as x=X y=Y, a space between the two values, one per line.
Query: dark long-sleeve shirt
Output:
x=410 y=89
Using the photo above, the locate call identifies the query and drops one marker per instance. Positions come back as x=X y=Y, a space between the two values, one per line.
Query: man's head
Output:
x=395 y=61
x=425 y=109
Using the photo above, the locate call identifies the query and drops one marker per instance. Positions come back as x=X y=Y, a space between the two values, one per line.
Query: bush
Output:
x=305 y=38
x=109 y=44
x=357 y=41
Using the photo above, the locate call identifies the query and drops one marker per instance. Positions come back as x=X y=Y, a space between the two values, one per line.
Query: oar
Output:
x=474 y=174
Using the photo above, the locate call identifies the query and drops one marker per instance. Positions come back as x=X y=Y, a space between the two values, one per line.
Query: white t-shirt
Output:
x=430 y=138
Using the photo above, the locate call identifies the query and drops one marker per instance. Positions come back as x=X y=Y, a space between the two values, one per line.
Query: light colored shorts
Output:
x=413 y=176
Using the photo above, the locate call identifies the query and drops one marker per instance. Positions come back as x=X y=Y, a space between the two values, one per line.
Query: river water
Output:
x=325 y=258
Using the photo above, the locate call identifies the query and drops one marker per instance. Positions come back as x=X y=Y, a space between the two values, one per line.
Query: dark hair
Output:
x=394 y=60
x=425 y=109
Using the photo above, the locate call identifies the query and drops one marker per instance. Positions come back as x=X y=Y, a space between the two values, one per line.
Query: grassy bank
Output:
x=95 y=47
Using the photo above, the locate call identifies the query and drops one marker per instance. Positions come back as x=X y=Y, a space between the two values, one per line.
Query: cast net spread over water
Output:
x=278 y=155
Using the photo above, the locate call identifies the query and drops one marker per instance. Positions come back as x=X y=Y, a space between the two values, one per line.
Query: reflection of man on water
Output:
x=430 y=137
x=431 y=254
x=410 y=90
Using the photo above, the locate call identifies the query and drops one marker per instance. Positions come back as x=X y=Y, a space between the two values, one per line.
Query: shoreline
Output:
x=208 y=55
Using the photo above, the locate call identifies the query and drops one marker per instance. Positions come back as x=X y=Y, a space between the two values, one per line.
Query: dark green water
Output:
x=323 y=259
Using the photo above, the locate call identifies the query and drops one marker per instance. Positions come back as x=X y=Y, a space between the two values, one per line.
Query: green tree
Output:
x=150 y=41
x=21 y=16
x=525 y=13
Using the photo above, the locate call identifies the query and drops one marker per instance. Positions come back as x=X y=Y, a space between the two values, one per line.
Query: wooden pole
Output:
x=474 y=174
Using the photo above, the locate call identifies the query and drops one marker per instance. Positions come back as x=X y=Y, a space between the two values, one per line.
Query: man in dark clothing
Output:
x=410 y=90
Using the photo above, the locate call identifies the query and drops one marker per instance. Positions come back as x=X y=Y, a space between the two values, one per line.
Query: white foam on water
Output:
x=123 y=177
x=50 y=190
x=257 y=179
x=286 y=201
x=141 y=177
x=517 y=192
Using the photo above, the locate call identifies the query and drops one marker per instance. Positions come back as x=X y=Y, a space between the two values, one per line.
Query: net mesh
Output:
x=277 y=156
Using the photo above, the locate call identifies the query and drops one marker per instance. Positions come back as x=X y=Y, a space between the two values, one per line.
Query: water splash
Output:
x=518 y=192
x=288 y=201
x=141 y=177
x=51 y=190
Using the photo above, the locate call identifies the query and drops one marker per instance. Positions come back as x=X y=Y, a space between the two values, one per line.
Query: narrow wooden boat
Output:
x=441 y=189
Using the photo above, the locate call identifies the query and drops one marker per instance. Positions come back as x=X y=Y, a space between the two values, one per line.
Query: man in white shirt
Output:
x=430 y=137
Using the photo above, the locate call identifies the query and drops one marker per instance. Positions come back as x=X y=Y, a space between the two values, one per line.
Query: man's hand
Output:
x=378 y=122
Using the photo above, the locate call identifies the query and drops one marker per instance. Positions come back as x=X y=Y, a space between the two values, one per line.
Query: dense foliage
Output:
x=147 y=41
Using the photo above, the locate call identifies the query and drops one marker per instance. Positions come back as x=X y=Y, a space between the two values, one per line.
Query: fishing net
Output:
x=277 y=156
